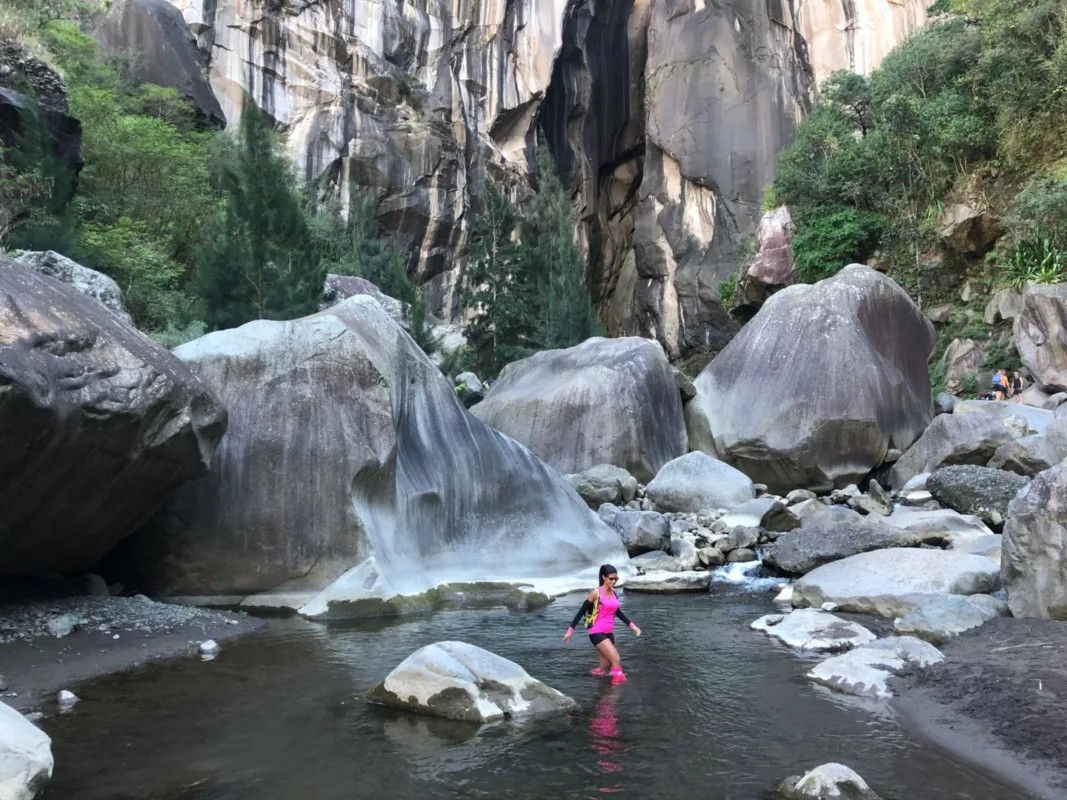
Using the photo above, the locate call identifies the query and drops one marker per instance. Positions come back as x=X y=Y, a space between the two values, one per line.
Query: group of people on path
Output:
x=1003 y=387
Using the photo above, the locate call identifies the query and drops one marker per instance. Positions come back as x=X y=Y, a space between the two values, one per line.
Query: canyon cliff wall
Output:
x=665 y=116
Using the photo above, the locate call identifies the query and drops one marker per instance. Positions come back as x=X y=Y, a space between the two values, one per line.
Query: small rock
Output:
x=828 y=782
x=892 y=455
x=711 y=557
x=828 y=606
x=759 y=488
x=34 y=716
x=786 y=595
x=742 y=554
x=799 y=496
x=67 y=700
x=209 y=648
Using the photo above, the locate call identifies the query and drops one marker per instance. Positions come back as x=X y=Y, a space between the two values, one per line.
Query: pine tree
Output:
x=259 y=264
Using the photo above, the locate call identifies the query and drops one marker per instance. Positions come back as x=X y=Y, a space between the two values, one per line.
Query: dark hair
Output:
x=605 y=570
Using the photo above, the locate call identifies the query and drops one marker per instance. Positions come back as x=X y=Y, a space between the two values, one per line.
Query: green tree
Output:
x=259 y=262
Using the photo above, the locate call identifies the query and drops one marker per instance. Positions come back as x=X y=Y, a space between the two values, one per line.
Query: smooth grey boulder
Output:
x=686 y=552
x=1035 y=539
x=940 y=619
x=892 y=582
x=399 y=490
x=983 y=492
x=827 y=782
x=339 y=288
x=605 y=401
x=799 y=552
x=1028 y=455
x=989 y=545
x=855 y=347
x=459 y=681
x=1040 y=337
x=656 y=561
x=957 y=438
x=87 y=281
x=640 y=531
x=767 y=513
x=661 y=582
x=165 y=49
x=25 y=756
x=99 y=424
x=943 y=523
x=1037 y=419
x=811 y=629
x=1004 y=306
x=865 y=671
x=604 y=483
x=814 y=513
x=697 y=482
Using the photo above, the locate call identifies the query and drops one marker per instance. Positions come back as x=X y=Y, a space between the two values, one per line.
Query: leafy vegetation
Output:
x=977 y=100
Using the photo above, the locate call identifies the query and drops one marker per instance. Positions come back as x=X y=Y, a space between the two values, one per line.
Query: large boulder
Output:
x=1004 y=306
x=811 y=629
x=398 y=490
x=963 y=359
x=697 y=482
x=459 y=681
x=1035 y=539
x=968 y=230
x=866 y=671
x=1029 y=455
x=893 y=582
x=606 y=401
x=25 y=756
x=856 y=347
x=945 y=617
x=942 y=523
x=814 y=513
x=773 y=268
x=827 y=782
x=767 y=513
x=799 y=552
x=1036 y=419
x=85 y=280
x=640 y=531
x=957 y=438
x=604 y=484
x=1039 y=335
x=983 y=492
x=100 y=425
x=339 y=288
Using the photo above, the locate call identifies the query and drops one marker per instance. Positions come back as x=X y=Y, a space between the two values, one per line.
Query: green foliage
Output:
x=727 y=290
x=829 y=238
x=939 y=7
x=1040 y=211
x=258 y=262
x=174 y=337
x=1001 y=356
x=1035 y=261
x=937 y=377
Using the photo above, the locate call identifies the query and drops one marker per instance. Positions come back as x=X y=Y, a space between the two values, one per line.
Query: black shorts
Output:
x=597 y=638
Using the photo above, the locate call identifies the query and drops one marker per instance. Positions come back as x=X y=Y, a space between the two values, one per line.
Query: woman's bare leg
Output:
x=606 y=650
x=604 y=661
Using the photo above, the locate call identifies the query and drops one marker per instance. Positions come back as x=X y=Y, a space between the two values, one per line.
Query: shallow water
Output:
x=711 y=710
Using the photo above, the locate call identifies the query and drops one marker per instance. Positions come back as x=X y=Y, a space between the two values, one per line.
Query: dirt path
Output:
x=1000 y=699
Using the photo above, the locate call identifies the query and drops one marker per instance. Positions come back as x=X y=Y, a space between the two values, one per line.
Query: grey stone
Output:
x=657 y=561
x=892 y=582
x=768 y=513
x=668 y=582
x=800 y=552
x=813 y=513
x=746 y=409
x=827 y=782
x=1004 y=306
x=865 y=671
x=87 y=281
x=1039 y=336
x=686 y=553
x=981 y=491
x=711 y=557
x=685 y=386
x=951 y=439
x=696 y=482
x=940 y=619
x=741 y=555
x=798 y=496
x=640 y=531
x=1035 y=537
x=741 y=536
x=605 y=401
x=459 y=681
x=808 y=629
x=123 y=418
x=25 y=756
x=604 y=483
x=1028 y=455
x=1037 y=419
x=526 y=600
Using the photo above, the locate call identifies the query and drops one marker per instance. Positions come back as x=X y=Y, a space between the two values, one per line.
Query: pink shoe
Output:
x=617 y=675
x=599 y=672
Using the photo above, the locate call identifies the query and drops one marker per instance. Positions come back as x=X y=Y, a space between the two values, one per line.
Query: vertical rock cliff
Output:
x=664 y=115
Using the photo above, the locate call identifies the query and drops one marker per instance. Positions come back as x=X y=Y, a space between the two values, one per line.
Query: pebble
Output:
x=67 y=700
x=209 y=648
x=830 y=607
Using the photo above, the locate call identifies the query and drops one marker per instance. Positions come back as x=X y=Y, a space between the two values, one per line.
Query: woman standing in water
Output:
x=601 y=606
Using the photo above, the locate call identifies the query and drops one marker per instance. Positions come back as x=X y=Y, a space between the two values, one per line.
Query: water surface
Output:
x=711 y=710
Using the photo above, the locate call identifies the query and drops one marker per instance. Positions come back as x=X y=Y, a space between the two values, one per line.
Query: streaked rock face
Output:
x=666 y=118
x=351 y=469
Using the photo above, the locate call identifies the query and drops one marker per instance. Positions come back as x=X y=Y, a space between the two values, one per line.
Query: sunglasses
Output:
x=611 y=578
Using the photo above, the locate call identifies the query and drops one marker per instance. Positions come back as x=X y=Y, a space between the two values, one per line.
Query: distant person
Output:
x=1017 y=387
x=600 y=608
x=997 y=386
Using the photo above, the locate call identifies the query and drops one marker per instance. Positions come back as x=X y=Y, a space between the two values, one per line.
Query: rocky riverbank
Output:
x=49 y=645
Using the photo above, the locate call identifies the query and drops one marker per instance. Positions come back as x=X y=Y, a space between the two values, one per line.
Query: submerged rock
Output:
x=697 y=482
x=866 y=670
x=100 y=425
x=399 y=489
x=893 y=582
x=806 y=342
x=827 y=782
x=459 y=681
x=810 y=629
x=25 y=756
x=605 y=401
x=1035 y=539
x=940 y=619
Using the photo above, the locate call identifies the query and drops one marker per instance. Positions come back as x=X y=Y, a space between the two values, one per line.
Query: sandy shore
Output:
x=100 y=636
x=998 y=700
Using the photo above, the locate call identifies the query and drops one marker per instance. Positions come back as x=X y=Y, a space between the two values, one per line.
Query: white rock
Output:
x=894 y=581
x=67 y=700
x=943 y=520
x=686 y=552
x=828 y=782
x=459 y=681
x=696 y=482
x=786 y=595
x=830 y=607
x=866 y=670
x=668 y=582
x=808 y=629
x=656 y=561
x=942 y=618
x=25 y=756
x=209 y=648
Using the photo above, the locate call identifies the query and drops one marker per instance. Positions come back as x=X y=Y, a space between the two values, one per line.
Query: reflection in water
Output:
x=605 y=736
